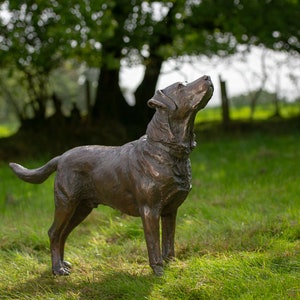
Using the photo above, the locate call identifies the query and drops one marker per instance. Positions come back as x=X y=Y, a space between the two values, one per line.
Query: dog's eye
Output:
x=182 y=84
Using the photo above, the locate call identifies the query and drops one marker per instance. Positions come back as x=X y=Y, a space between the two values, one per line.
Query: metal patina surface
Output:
x=149 y=177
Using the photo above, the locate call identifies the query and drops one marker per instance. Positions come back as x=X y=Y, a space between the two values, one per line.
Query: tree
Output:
x=36 y=39
x=46 y=33
x=103 y=34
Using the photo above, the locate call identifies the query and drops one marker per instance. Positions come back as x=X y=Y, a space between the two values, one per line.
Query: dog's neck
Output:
x=178 y=140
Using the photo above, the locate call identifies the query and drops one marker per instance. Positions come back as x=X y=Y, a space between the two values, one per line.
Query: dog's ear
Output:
x=160 y=100
x=152 y=103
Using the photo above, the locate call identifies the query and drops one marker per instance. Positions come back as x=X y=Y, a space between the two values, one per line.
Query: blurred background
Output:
x=82 y=72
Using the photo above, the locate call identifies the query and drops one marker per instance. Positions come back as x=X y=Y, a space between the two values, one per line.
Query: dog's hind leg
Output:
x=80 y=213
x=62 y=216
x=168 y=233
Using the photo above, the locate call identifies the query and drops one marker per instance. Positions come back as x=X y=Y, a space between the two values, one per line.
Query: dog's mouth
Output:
x=208 y=93
x=205 y=89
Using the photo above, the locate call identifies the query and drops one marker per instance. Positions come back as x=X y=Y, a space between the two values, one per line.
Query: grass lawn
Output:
x=262 y=112
x=238 y=233
x=8 y=129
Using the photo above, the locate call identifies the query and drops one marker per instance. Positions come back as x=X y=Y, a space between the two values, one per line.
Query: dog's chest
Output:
x=167 y=178
x=176 y=187
x=181 y=174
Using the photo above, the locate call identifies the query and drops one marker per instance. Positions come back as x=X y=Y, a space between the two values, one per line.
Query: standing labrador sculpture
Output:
x=149 y=177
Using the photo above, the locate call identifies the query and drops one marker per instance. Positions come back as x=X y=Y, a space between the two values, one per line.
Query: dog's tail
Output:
x=35 y=175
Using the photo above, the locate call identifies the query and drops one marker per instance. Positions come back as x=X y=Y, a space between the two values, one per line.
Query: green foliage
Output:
x=237 y=233
x=40 y=36
x=270 y=23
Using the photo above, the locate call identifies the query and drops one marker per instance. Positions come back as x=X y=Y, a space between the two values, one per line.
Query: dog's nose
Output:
x=203 y=81
x=206 y=77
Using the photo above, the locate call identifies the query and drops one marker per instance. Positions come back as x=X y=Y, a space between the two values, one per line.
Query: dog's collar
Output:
x=177 y=150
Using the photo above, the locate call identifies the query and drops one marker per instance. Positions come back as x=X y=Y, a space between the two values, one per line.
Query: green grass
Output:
x=8 y=129
x=262 y=112
x=238 y=233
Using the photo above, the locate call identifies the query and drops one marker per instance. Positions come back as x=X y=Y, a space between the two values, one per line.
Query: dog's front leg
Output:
x=150 y=218
x=168 y=233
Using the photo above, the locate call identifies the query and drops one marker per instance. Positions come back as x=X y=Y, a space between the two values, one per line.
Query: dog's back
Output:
x=124 y=177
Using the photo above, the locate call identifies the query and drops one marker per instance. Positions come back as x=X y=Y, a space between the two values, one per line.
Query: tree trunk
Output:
x=225 y=104
x=38 y=93
x=277 y=107
x=153 y=66
x=88 y=100
x=253 y=102
x=146 y=90
x=110 y=102
x=11 y=101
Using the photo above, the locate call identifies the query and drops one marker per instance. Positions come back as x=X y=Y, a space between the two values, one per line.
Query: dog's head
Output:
x=182 y=98
x=176 y=108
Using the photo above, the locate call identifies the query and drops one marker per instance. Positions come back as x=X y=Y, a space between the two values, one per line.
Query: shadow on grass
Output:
x=111 y=285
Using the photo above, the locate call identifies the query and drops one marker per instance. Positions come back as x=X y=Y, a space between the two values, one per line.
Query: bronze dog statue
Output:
x=149 y=177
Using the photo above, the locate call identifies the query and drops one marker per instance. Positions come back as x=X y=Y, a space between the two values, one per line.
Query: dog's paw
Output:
x=62 y=271
x=67 y=265
x=169 y=259
x=158 y=270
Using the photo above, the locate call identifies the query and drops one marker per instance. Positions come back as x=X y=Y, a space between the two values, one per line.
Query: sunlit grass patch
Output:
x=4 y=131
x=237 y=235
x=8 y=129
x=229 y=276
x=261 y=112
